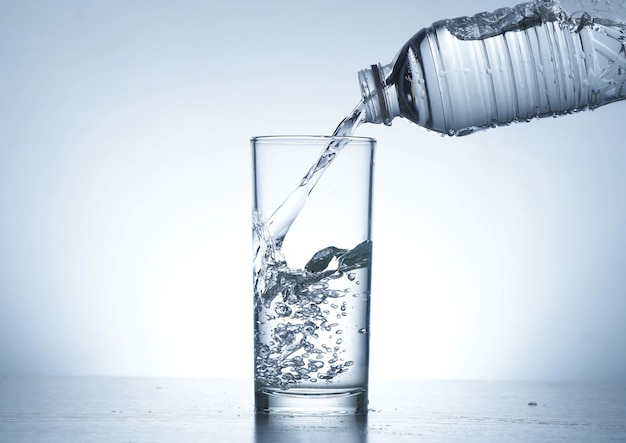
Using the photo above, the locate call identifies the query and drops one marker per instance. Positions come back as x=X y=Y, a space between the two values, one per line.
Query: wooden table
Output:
x=210 y=410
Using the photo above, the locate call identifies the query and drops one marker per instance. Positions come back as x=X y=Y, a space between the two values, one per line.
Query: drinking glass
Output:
x=312 y=250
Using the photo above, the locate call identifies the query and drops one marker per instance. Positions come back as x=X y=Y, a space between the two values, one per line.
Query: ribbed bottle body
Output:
x=461 y=75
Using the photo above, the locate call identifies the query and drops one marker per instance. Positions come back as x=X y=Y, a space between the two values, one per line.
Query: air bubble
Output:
x=309 y=328
x=351 y=276
x=282 y=310
x=363 y=331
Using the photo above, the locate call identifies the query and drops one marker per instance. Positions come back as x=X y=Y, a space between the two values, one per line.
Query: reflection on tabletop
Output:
x=322 y=429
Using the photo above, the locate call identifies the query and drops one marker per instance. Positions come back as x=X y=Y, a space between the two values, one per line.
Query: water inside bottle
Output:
x=515 y=64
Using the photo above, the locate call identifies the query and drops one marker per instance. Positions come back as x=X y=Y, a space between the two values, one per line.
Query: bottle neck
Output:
x=379 y=96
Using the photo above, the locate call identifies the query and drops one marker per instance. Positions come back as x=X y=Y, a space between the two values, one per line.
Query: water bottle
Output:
x=537 y=59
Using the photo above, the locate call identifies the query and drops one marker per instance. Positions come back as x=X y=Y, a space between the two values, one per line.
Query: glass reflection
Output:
x=309 y=429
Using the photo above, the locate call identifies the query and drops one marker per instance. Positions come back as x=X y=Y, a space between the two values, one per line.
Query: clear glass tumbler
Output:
x=312 y=252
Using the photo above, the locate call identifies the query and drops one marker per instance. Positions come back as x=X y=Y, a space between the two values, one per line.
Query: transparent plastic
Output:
x=544 y=58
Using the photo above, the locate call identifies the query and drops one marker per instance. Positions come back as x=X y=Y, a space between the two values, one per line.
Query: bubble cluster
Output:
x=301 y=319
x=298 y=329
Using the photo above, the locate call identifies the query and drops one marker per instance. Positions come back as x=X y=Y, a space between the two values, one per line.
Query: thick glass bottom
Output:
x=294 y=401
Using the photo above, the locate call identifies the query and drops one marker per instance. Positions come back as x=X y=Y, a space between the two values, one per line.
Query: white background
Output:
x=125 y=195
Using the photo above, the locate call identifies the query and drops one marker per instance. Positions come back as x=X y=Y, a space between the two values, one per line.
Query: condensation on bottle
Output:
x=537 y=59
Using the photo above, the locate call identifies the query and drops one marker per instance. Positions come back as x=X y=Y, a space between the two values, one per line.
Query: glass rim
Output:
x=327 y=138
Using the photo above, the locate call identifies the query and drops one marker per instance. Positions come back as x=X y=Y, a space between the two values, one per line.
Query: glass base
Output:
x=294 y=401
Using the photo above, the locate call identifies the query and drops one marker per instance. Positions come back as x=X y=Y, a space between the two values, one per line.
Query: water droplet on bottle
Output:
x=363 y=331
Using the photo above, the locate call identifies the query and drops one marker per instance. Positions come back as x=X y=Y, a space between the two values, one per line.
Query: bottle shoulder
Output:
x=406 y=74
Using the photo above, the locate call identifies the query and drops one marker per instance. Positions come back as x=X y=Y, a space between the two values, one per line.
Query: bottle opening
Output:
x=376 y=95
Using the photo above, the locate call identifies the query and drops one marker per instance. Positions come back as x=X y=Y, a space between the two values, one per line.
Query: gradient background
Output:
x=125 y=195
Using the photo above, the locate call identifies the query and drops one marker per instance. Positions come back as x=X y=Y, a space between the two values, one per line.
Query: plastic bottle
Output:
x=544 y=58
